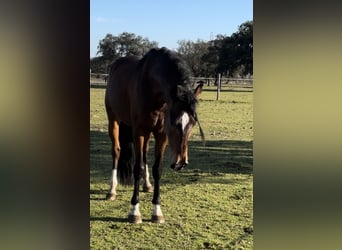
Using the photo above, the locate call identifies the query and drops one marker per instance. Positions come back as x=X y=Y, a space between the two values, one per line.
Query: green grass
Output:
x=209 y=205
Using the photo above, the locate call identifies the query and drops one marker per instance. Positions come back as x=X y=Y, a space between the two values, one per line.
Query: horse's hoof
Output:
x=178 y=166
x=158 y=219
x=135 y=219
x=148 y=189
x=110 y=197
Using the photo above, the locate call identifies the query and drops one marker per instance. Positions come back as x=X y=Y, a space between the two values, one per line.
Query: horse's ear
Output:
x=198 y=90
x=177 y=91
x=180 y=90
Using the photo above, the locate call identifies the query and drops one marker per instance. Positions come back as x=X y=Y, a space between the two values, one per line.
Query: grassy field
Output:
x=208 y=205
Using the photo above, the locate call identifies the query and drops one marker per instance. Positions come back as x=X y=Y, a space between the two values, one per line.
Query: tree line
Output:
x=232 y=56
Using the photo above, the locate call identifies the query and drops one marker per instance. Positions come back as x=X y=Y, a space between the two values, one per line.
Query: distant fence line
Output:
x=100 y=80
x=228 y=81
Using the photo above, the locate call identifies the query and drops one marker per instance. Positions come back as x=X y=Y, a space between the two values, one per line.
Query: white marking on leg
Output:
x=184 y=120
x=147 y=177
x=135 y=210
x=113 y=182
x=157 y=210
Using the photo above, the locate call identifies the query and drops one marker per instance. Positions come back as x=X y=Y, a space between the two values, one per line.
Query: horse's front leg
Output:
x=134 y=215
x=161 y=140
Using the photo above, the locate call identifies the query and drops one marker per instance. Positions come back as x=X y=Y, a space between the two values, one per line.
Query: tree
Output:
x=97 y=65
x=192 y=52
x=236 y=54
x=229 y=55
x=112 y=47
x=212 y=56
x=126 y=44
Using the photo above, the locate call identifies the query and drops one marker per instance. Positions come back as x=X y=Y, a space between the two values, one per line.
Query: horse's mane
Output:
x=182 y=91
x=174 y=61
x=122 y=60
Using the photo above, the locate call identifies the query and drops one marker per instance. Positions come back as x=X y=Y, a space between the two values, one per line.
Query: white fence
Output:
x=225 y=81
x=100 y=80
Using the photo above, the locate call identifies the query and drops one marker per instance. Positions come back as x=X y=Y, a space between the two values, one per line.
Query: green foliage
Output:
x=125 y=44
x=236 y=53
x=112 y=47
x=192 y=53
x=98 y=65
x=209 y=205
x=229 y=55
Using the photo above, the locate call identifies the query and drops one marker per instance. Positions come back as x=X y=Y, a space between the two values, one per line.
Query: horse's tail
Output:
x=126 y=159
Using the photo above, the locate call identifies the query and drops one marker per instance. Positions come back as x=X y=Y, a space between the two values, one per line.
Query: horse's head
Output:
x=180 y=119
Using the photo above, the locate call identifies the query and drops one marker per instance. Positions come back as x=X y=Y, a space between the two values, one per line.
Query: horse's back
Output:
x=120 y=88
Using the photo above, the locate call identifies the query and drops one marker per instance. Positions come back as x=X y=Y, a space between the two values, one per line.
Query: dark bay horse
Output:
x=152 y=95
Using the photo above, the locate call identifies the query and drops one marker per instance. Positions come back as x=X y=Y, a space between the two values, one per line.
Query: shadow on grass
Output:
x=100 y=194
x=213 y=160
x=109 y=219
x=97 y=199
x=98 y=86
x=116 y=220
x=96 y=192
x=222 y=156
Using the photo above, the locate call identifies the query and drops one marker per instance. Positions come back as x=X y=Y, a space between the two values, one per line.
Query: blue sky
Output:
x=167 y=22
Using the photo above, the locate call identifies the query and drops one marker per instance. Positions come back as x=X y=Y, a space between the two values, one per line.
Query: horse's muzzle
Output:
x=178 y=166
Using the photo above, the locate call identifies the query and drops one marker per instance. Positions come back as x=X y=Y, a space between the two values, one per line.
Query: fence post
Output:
x=218 y=87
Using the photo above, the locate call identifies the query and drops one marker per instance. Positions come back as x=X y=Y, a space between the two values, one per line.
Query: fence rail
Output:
x=100 y=80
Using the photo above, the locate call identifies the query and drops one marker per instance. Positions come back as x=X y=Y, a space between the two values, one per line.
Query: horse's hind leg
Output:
x=113 y=131
x=147 y=186
x=134 y=215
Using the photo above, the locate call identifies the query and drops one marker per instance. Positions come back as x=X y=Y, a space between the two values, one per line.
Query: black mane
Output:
x=175 y=69
x=179 y=64
x=175 y=64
